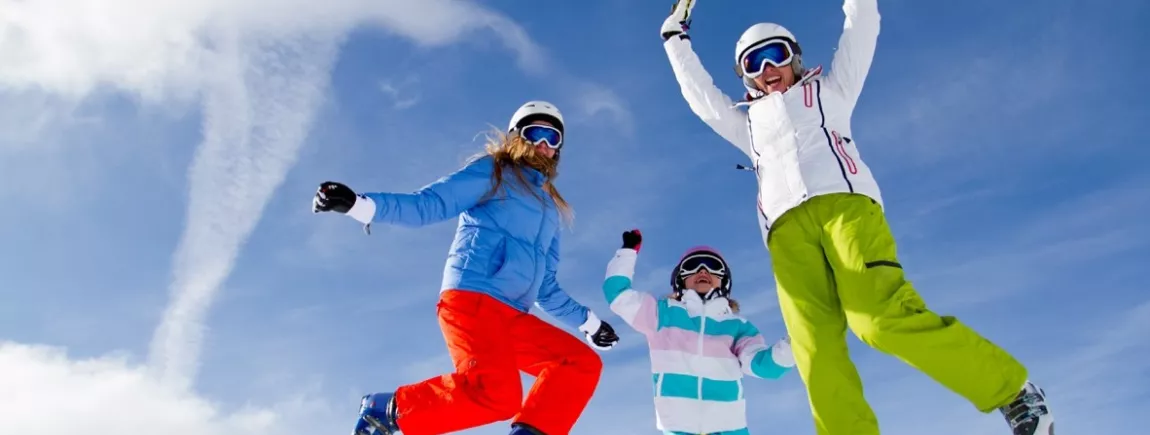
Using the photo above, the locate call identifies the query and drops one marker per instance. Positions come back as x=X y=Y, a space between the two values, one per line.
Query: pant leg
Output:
x=485 y=387
x=566 y=374
x=884 y=310
x=817 y=326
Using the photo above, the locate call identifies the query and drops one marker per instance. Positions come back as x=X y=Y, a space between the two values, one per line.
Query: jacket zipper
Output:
x=535 y=278
x=702 y=335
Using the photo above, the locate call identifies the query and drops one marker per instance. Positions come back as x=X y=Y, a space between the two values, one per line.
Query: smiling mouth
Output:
x=774 y=81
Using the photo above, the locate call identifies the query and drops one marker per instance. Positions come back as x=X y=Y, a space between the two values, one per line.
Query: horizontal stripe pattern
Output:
x=694 y=387
x=670 y=361
x=699 y=353
x=688 y=341
x=638 y=309
x=672 y=314
x=750 y=342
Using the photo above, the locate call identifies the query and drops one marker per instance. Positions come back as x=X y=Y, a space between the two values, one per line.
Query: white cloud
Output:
x=956 y=115
x=260 y=68
x=1094 y=386
x=47 y=393
x=164 y=49
x=400 y=91
x=257 y=114
x=598 y=103
x=1092 y=378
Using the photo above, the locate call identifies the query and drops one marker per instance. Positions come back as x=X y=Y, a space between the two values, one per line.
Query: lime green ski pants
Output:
x=835 y=266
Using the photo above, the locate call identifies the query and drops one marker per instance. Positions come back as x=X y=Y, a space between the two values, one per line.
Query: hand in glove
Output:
x=333 y=196
x=633 y=240
x=599 y=333
x=337 y=197
x=679 y=20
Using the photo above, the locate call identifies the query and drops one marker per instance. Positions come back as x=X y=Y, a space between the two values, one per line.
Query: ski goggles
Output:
x=696 y=262
x=536 y=134
x=776 y=52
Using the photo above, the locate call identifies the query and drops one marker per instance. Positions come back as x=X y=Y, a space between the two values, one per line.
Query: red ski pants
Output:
x=490 y=342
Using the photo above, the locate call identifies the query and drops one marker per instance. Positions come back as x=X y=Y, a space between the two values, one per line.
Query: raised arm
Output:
x=441 y=200
x=760 y=360
x=638 y=309
x=706 y=100
x=852 y=60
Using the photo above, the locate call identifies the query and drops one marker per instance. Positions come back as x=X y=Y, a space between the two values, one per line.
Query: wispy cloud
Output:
x=161 y=50
x=403 y=93
x=599 y=104
x=1040 y=248
x=260 y=72
x=112 y=394
x=952 y=115
x=1091 y=376
x=257 y=115
x=1105 y=377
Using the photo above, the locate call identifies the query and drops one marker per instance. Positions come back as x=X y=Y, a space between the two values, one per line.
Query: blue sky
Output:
x=162 y=267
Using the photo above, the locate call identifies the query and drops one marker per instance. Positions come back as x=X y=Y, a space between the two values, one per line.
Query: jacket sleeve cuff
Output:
x=623 y=263
x=363 y=210
x=592 y=324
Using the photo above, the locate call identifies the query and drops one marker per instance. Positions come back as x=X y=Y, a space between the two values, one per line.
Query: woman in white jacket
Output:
x=821 y=216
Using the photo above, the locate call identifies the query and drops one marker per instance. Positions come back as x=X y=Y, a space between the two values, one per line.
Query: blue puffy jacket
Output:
x=506 y=246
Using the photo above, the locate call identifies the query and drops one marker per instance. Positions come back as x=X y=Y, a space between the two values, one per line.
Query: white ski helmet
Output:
x=533 y=111
x=761 y=32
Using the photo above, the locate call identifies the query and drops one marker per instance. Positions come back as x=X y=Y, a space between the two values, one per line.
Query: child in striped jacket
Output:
x=700 y=347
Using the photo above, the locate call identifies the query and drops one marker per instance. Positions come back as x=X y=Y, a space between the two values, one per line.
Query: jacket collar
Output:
x=535 y=176
x=696 y=306
x=811 y=74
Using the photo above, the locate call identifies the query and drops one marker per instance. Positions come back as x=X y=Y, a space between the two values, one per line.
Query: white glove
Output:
x=679 y=20
x=781 y=352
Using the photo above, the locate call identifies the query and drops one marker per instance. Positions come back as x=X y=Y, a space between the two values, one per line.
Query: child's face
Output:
x=702 y=282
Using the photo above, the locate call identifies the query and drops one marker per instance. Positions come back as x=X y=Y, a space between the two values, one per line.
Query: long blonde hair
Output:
x=678 y=296
x=514 y=153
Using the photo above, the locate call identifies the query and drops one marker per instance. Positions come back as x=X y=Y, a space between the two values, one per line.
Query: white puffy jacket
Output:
x=800 y=141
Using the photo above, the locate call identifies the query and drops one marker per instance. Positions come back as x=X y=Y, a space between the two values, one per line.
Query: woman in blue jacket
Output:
x=503 y=260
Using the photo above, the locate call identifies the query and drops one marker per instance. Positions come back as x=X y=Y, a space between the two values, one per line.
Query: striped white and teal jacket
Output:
x=700 y=351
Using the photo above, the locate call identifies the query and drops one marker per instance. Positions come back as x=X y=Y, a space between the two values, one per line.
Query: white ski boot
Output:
x=1028 y=414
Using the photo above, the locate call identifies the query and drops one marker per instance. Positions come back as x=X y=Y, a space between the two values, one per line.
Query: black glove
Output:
x=605 y=337
x=333 y=196
x=633 y=240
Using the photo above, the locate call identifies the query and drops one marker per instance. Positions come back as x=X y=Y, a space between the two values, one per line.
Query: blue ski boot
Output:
x=524 y=429
x=377 y=415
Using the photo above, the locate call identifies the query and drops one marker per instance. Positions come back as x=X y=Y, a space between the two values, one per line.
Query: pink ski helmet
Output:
x=700 y=257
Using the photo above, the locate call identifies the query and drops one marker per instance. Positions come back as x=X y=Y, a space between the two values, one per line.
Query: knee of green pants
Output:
x=885 y=302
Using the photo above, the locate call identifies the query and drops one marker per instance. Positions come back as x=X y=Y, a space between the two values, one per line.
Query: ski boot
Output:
x=377 y=415
x=1028 y=414
x=524 y=429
